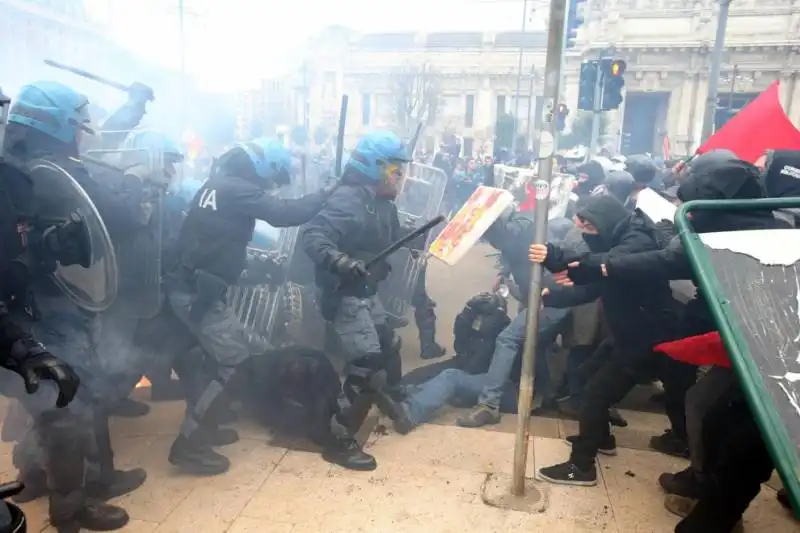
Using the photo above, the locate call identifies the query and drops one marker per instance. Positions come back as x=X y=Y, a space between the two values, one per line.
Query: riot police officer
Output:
x=46 y=125
x=358 y=222
x=212 y=255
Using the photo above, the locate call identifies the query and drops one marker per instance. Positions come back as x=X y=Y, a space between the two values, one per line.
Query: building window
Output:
x=470 y=115
x=468 y=145
x=366 y=108
x=501 y=104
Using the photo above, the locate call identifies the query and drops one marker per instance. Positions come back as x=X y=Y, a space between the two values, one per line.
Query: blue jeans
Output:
x=508 y=345
x=440 y=390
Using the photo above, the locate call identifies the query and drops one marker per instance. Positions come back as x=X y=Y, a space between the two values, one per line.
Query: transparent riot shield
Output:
x=139 y=252
x=57 y=194
x=751 y=282
x=420 y=201
x=271 y=311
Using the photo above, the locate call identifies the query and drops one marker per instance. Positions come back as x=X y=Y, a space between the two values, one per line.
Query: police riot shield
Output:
x=268 y=310
x=57 y=195
x=138 y=253
x=420 y=201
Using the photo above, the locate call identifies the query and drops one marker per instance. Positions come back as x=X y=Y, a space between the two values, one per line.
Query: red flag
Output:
x=700 y=350
x=761 y=125
x=665 y=148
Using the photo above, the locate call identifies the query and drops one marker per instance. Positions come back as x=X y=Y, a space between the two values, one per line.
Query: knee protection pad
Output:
x=390 y=342
x=364 y=376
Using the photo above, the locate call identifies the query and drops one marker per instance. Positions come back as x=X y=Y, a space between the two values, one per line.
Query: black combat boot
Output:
x=425 y=317
x=70 y=513
x=347 y=453
x=116 y=484
x=219 y=436
x=196 y=456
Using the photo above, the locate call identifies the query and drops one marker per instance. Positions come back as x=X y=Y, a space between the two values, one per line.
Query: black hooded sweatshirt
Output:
x=640 y=314
x=713 y=176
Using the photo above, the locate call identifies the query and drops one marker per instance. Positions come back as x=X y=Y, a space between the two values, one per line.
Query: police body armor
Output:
x=139 y=253
x=420 y=201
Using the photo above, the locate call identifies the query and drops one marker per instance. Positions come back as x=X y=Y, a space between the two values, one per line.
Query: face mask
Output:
x=595 y=243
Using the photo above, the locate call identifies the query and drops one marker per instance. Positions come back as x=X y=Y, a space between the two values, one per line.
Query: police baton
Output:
x=405 y=240
x=89 y=76
x=340 y=138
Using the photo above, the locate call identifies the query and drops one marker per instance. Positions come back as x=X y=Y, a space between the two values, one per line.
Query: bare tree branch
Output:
x=415 y=89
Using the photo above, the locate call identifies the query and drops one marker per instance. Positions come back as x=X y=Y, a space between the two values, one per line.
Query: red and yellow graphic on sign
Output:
x=468 y=225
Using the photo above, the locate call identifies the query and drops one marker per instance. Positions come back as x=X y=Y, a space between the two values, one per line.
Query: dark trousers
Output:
x=737 y=464
x=612 y=382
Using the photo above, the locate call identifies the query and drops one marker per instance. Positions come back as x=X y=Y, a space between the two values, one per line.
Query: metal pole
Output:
x=598 y=100
x=519 y=77
x=531 y=101
x=713 y=75
x=552 y=81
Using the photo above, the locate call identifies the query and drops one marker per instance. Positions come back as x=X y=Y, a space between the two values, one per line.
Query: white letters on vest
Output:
x=208 y=199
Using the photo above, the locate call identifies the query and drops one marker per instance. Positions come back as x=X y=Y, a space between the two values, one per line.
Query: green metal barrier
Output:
x=779 y=438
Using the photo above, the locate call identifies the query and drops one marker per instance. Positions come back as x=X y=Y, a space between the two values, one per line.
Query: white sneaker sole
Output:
x=569 y=483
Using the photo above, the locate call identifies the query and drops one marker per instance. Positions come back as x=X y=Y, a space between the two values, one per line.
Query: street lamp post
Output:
x=519 y=78
x=713 y=75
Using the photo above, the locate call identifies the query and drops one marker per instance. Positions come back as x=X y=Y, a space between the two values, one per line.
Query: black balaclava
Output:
x=590 y=175
x=605 y=213
x=619 y=184
x=782 y=174
x=642 y=168
x=720 y=175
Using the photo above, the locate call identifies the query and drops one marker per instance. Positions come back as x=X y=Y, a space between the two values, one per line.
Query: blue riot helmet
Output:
x=53 y=109
x=379 y=158
x=271 y=160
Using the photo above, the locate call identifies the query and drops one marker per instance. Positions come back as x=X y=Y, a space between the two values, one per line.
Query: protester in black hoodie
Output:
x=721 y=477
x=639 y=316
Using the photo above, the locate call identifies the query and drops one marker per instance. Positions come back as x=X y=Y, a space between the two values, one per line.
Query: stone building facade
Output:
x=666 y=44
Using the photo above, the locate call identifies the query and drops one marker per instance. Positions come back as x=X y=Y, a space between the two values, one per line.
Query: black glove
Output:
x=139 y=92
x=36 y=363
x=585 y=273
x=345 y=265
x=69 y=243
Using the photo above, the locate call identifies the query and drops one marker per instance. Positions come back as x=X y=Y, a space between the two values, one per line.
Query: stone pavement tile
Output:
x=766 y=514
x=296 y=478
x=163 y=419
x=632 y=482
x=244 y=524
x=215 y=502
x=476 y=450
x=585 y=508
x=36 y=515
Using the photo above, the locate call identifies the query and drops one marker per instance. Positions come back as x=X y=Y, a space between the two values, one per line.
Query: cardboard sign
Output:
x=655 y=206
x=482 y=209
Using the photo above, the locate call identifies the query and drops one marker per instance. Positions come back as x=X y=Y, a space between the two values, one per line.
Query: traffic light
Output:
x=574 y=21
x=561 y=116
x=587 y=85
x=613 y=83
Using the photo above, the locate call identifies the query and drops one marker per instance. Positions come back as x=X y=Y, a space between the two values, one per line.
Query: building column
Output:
x=696 y=123
x=792 y=103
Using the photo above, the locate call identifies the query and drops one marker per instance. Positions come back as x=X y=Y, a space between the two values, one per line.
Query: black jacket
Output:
x=639 y=313
x=221 y=219
x=720 y=176
x=355 y=222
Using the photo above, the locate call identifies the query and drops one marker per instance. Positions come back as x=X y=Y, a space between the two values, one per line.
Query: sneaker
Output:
x=669 y=444
x=481 y=416
x=568 y=474
x=679 y=505
x=686 y=483
x=195 y=456
x=396 y=411
x=119 y=483
x=128 y=408
x=616 y=419
x=607 y=447
x=346 y=453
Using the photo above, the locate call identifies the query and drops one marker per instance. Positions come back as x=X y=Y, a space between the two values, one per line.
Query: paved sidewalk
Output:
x=427 y=482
